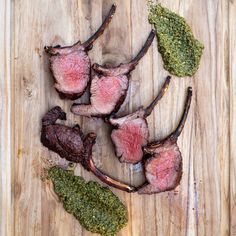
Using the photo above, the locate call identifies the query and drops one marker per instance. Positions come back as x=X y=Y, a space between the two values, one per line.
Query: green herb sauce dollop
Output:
x=180 y=51
x=96 y=207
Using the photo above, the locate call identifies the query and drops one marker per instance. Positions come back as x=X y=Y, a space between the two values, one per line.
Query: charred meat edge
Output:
x=148 y=110
x=90 y=166
x=124 y=68
x=173 y=137
x=88 y=45
x=50 y=118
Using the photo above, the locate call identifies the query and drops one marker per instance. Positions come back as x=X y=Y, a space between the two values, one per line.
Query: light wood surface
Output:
x=205 y=201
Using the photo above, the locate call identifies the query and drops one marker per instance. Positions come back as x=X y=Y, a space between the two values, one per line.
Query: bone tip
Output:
x=151 y=35
x=114 y=6
x=153 y=32
x=190 y=91
x=113 y=9
x=168 y=79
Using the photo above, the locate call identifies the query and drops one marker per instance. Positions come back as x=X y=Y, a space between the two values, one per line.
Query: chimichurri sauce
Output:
x=180 y=51
x=96 y=207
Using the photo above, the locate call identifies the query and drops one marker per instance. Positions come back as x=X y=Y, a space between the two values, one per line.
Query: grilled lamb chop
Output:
x=109 y=86
x=163 y=167
x=71 y=65
x=71 y=144
x=131 y=132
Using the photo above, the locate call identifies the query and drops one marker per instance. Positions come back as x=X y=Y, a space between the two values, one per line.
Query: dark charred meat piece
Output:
x=109 y=86
x=66 y=141
x=163 y=167
x=71 y=65
x=131 y=132
x=71 y=144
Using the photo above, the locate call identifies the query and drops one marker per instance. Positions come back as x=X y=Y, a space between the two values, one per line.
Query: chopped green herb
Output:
x=96 y=207
x=180 y=51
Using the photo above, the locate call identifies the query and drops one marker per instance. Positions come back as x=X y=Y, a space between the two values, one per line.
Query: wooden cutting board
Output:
x=205 y=201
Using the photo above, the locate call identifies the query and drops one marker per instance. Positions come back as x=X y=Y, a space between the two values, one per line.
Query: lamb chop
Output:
x=131 y=131
x=163 y=167
x=70 y=65
x=71 y=144
x=109 y=86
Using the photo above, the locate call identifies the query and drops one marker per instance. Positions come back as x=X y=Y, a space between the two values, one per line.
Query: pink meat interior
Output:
x=164 y=169
x=107 y=91
x=129 y=139
x=71 y=71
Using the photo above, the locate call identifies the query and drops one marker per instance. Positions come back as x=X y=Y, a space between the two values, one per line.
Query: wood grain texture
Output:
x=205 y=201
x=6 y=210
x=232 y=118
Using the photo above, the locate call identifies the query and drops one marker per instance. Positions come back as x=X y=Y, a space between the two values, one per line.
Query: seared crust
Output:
x=119 y=103
x=140 y=113
x=105 y=116
x=124 y=69
x=70 y=143
x=64 y=140
x=70 y=96
x=147 y=188
x=120 y=156
x=86 y=46
x=162 y=146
